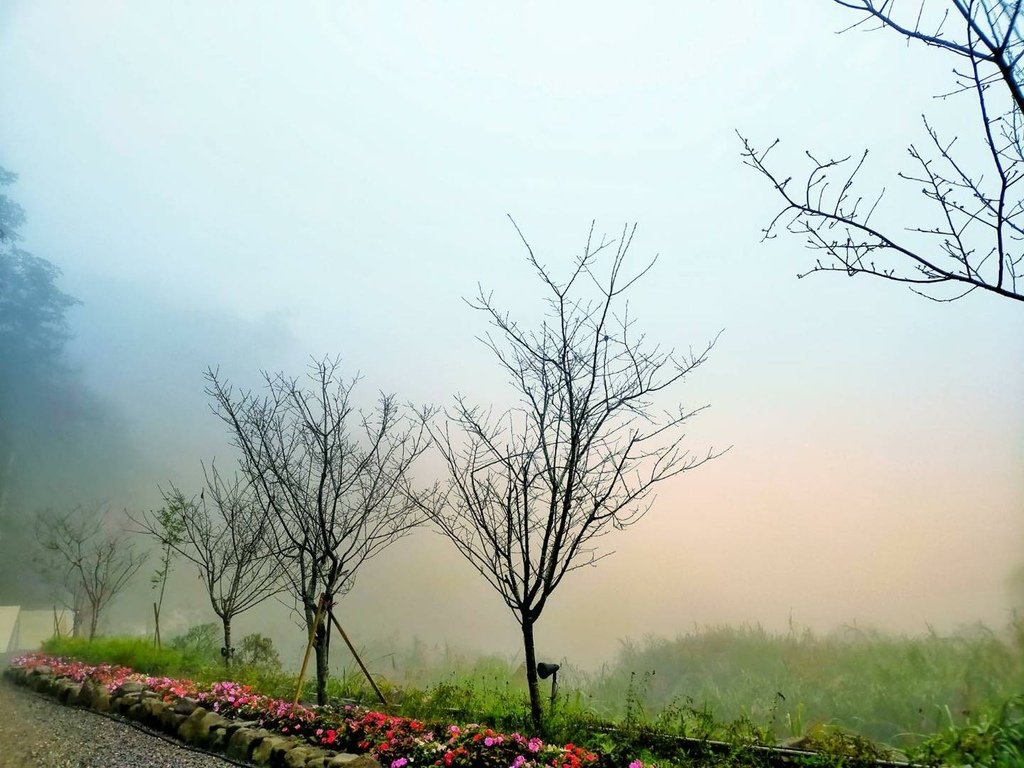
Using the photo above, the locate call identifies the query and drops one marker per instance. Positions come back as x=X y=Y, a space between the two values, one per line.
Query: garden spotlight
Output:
x=544 y=671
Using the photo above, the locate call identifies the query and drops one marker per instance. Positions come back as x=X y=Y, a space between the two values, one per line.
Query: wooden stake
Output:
x=309 y=646
x=362 y=666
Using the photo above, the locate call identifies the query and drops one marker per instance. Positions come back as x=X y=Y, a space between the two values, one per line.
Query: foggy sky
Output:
x=249 y=184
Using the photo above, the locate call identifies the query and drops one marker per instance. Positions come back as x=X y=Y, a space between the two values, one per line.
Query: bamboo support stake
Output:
x=362 y=666
x=309 y=647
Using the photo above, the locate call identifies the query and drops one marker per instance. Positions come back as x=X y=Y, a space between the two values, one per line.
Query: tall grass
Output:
x=138 y=653
x=888 y=688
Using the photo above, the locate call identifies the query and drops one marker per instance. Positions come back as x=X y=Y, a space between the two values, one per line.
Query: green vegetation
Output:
x=939 y=699
x=887 y=688
x=139 y=653
x=991 y=739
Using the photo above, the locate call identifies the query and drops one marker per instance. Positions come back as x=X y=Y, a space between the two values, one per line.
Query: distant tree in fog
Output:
x=335 y=483
x=976 y=238
x=224 y=533
x=56 y=438
x=532 y=490
x=33 y=325
x=93 y=559
x=33 y=332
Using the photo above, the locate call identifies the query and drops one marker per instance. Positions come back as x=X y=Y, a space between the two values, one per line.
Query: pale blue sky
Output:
x=246 y=184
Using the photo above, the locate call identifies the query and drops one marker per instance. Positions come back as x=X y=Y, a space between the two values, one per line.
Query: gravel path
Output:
x=38 y=732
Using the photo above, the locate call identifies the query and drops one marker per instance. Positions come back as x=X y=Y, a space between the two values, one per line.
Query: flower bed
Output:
x=395 y=742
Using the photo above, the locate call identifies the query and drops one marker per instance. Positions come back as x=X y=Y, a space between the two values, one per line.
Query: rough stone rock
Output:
x=279 y=752
x=191 y=731
x=68 y=692
x=233 y=725
x=87 y=693
x=123 y=702
x=40 y=683
x=209 y=721
x=270 y=746
x=42 y=670
x=151 y=710
x=170 y=720
x=185 y=705
x=217 y=738
x=345 y=760
x=101 y=701
x=242 y=742
x=132 y=686
x=317 y=757
x=298 y=757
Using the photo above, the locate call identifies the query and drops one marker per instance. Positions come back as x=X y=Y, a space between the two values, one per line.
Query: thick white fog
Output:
x=247 y=185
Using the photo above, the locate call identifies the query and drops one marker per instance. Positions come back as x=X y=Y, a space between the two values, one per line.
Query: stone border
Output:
x=186 y=720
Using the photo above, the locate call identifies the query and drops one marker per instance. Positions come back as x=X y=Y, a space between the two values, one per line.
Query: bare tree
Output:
x=533 y=489
x=226 y=539
x=335 y=482
x=168 y=522
x=97 y=561
x=65 y=586
x=974 y=241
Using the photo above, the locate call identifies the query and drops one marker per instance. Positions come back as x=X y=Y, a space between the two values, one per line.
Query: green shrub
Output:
x=258 y=651
x=201 y=643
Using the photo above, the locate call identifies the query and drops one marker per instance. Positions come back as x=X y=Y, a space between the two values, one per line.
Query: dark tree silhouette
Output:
x=975 y=240
x=532 y=490
x=335 y=483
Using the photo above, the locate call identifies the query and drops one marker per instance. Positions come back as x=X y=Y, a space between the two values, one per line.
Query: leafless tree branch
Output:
x=977 y=244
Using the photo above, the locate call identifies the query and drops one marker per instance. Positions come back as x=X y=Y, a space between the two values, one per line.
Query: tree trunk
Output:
x=531 y=672
x=94 y=620
x=228 y=651
x=321 y=646
x=156 y=624
x=77 y=616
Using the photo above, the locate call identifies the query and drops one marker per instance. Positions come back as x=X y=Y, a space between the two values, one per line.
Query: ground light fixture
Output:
x=544 y=671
